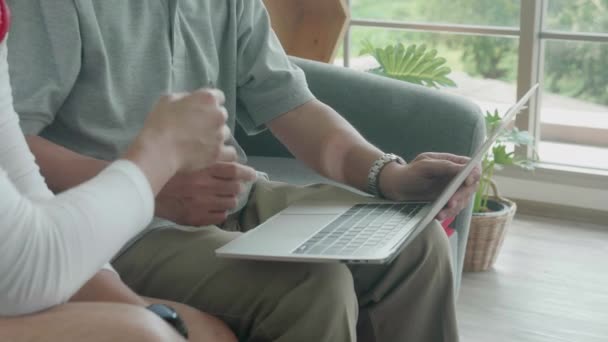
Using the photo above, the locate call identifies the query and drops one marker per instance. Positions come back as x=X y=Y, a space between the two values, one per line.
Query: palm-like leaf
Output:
x=414 y=64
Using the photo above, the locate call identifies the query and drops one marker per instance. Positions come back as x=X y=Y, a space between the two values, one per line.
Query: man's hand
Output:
x=426 y=177
x=203 y=197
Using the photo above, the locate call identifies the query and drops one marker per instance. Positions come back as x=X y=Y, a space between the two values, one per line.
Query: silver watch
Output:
x=373 y=178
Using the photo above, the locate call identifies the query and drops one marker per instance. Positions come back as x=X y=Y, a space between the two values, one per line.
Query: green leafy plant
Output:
x=501 y=154
x=414 y=64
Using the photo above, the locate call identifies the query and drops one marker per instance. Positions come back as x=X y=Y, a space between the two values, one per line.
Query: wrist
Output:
x=387 y=160
x=389 y=179
x=153 y=157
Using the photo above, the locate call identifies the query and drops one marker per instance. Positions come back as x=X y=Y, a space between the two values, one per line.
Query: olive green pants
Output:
x=411 y=299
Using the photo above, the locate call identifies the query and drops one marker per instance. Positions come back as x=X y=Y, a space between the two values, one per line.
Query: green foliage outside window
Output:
x=572 y=68
x=488 y=57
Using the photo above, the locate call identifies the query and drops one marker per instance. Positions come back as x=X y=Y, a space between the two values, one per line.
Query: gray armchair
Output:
x=396 y=116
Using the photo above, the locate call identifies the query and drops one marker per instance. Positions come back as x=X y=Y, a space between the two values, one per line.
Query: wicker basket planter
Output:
x=487 y=234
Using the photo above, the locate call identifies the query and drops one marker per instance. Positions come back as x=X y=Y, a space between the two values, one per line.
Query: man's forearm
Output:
x=326 y=142
x=62 y=168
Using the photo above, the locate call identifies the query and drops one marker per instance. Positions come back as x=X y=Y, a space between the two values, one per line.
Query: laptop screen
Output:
x=476 y=159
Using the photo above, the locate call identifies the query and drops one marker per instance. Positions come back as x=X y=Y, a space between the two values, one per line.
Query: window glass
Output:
x=473 y=12
x=577 y=15
x=574 y=111
x=483 y=68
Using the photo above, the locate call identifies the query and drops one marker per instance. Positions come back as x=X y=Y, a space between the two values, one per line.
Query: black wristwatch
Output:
x=169 y=315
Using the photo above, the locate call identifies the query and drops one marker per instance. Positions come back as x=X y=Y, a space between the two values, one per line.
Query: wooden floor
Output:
x=550 y=284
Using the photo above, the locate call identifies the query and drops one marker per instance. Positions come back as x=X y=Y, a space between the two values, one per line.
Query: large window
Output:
x=499 y=48
x=475 y=12
x=574 y=107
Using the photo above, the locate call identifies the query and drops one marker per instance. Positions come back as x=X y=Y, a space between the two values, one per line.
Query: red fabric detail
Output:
x=5 y=20
x=446 y=226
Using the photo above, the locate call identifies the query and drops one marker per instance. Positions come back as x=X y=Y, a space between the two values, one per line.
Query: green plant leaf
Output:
x=367 y=48
x=493 y=121
x=501 y=156
x=516 y=137
x=415 y=64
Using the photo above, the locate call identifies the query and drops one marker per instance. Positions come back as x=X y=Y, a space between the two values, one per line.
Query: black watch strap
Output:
x=169 y=315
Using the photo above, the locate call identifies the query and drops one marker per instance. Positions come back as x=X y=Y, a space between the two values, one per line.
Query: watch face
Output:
x=169 y=315
x=164 y=311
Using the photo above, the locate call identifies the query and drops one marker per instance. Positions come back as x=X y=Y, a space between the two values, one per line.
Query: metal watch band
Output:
x=373 y=178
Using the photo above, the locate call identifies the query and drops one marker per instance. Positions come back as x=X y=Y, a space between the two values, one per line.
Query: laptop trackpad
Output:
x=283 y=233
x=319 y=208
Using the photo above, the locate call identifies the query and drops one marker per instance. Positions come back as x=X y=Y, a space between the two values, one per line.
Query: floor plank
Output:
x=550 y=283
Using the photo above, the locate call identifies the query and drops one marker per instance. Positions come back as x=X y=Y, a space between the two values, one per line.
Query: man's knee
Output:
x=325 y=303
x=314 y=288
x=332 y=285
x=435 y=252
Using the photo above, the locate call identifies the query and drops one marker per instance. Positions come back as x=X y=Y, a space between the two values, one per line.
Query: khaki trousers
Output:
x=411 y=299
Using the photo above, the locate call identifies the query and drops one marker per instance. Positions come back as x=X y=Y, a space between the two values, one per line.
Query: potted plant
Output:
x=492 y=213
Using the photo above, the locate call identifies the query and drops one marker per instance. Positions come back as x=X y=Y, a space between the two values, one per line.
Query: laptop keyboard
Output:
x=361 y=229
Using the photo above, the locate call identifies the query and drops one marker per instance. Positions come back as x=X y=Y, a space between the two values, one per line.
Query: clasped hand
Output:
x=203 y=197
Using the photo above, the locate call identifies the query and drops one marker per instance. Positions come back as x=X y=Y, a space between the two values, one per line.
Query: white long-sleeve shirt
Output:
x=51 y=245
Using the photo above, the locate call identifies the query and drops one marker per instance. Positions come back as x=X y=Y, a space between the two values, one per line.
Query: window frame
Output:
x=531 y=35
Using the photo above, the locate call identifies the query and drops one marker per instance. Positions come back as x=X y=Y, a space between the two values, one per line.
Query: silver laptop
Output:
x=349 y=231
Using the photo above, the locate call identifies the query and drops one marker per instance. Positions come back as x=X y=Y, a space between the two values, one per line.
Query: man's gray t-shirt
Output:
x=85 y=73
